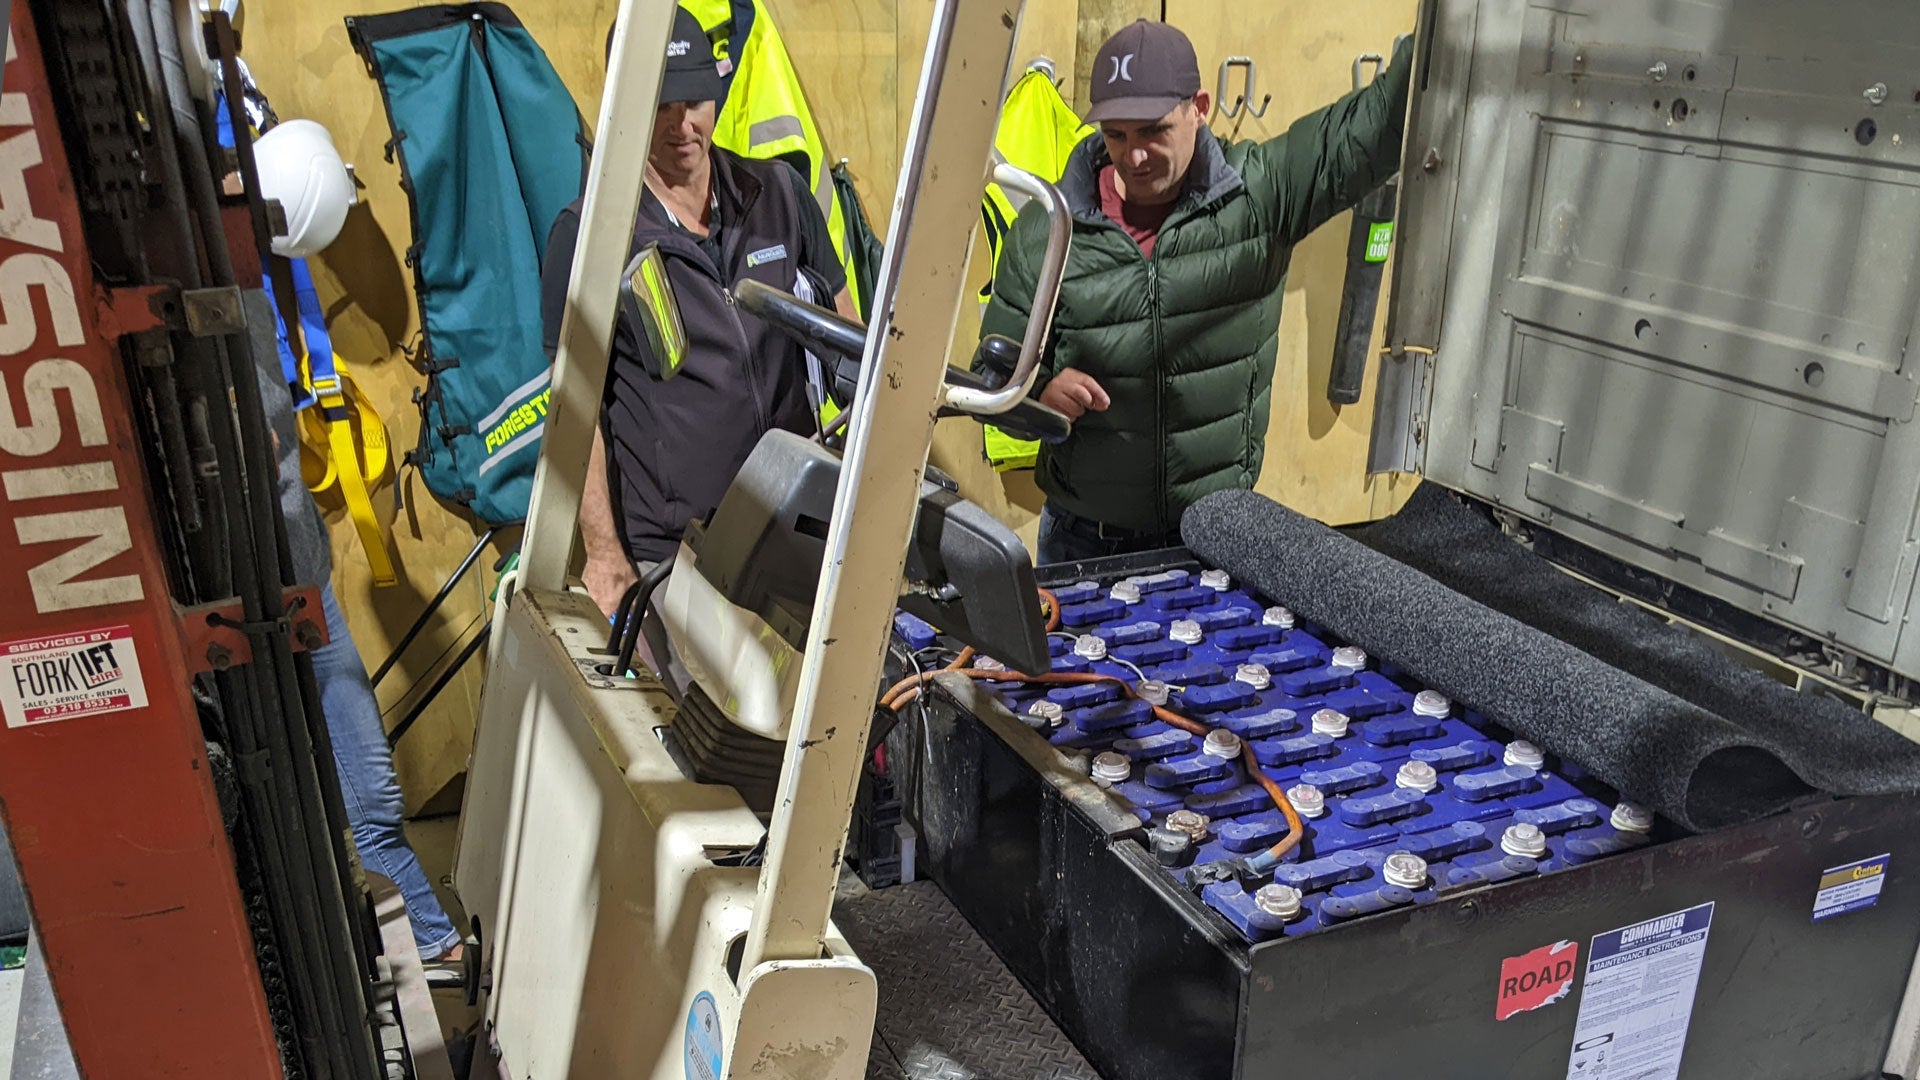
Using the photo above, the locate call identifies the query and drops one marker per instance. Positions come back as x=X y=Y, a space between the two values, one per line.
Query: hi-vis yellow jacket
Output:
x=766 y=116
x=1037 y=131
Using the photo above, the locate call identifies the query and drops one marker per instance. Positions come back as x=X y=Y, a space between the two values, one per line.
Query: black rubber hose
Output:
x=649 y=581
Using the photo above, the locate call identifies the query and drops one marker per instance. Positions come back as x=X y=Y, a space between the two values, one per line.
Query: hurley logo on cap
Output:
x=1150 y=68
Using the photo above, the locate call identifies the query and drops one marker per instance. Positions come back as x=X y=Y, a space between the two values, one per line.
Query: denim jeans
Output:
x=1066 y=538
x=368 y=784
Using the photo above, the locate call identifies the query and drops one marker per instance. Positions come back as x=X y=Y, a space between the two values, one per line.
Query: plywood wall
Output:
x=1304 y=51
x=860 y=62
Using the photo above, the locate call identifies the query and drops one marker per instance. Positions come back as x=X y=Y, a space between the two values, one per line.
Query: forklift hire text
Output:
x=29 y=269
x=86 y=669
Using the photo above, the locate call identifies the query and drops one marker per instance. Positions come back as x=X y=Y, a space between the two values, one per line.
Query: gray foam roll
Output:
x=1688 y=763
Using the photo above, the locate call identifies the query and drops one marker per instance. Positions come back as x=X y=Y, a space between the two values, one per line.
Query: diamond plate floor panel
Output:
x=949 y=1009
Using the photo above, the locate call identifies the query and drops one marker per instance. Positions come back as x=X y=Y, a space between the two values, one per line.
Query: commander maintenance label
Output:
x=85 y=673
x=1638 y=998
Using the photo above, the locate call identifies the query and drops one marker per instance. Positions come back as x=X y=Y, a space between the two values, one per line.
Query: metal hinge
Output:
x=216 y=636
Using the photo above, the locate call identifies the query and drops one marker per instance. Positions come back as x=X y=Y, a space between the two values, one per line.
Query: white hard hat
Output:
x=300 y=168
x=203 y=76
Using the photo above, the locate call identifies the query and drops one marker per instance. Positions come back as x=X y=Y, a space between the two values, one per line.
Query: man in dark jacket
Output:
x=1165 y=335
x=669 y=447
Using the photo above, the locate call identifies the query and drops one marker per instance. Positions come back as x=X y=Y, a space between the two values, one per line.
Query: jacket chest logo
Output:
x=766 y=255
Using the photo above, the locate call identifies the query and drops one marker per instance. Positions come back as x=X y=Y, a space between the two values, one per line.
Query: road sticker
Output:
x=704 y=1039
x=1638 y=998
x=1851 y=887
x=68 y=676
x=1536 y=979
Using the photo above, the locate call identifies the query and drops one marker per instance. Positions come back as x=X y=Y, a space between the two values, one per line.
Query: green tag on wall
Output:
x=1379 y=239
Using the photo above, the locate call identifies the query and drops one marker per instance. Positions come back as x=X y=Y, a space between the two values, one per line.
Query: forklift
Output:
x=651 y=860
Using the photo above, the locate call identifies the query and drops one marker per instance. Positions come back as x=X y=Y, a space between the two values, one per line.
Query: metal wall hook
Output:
x=1360 y=66
x=1241 y=102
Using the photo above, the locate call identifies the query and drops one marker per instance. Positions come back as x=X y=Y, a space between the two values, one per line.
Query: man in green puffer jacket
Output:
x=1164 y=339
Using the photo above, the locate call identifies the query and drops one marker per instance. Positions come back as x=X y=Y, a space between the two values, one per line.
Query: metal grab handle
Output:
x=1360 y=65
x=1244 y=101
x=1046 y=294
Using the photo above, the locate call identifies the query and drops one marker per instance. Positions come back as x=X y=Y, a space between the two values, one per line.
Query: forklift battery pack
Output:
x=1459 y=891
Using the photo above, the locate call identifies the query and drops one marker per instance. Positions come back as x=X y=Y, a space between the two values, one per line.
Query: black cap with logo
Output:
x=693 y=74
x=1142 y=72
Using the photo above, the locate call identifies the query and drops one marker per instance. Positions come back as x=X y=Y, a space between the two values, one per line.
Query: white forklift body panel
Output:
x=1655 y=291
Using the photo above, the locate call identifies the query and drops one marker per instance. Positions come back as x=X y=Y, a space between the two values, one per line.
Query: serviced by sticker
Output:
x=67 y=676
x=1638 y=998
x=1851 y=887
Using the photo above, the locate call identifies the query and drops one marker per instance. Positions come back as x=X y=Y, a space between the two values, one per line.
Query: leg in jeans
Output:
x=368 y=784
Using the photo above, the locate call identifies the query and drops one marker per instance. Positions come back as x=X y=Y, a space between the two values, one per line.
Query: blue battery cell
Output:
x=1132 y=633
x=1259 y=722
x=1147 y=802
x=1452 y=733
x=1154 y=747
x=1091 y=613
x=1497 y=867
x=1161 y=582
x=1216 y=620
x=1326 y=835
x=1248 y=637
x=915 y=631
x=1295 y=750
x=1362 y=704
x=1387 y=806
x=1344 y=906
x=1314 y=875
x=1058 y=647
x=1112 y=715
x=1152 y=653
x=1466 y=754
x=1501 y=783
x=1219 y=697
x=1398 y=729
x=1289 y=658
x=1183 y=599
x=1069 y=664
x=1251 y=832
x=1186 y=772
x=1592 y=844
x=1564 y=817
x=1078 y=593
x=1189 y=673
x=1321 y=680
x=1345 y=779
x=1237 y=906
x=1244 y=799
x=1081 y=695
x=1447 y=843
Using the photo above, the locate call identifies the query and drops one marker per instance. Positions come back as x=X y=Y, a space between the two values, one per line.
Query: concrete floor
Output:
x=10 y=982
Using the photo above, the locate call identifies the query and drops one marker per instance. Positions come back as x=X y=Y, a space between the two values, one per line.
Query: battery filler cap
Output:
x=1308 y=800
x=1405 y=869
x=1330 y=722
x=1523 y=753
